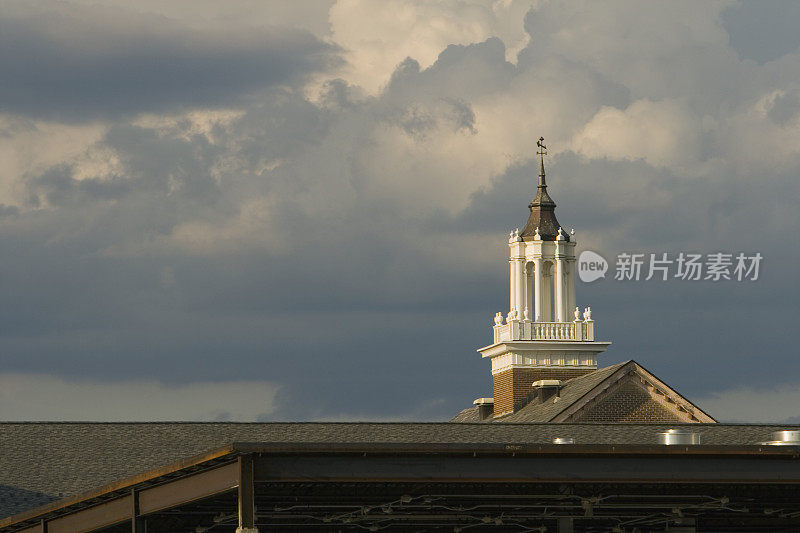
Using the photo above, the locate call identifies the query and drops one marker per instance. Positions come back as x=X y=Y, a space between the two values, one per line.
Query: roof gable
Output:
x=572 y=391
x=632 y=373
x=581 y=394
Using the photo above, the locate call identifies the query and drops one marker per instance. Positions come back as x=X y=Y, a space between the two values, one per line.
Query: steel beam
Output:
x=59 y=506
x=566 y=468
x=138 y=523
x=97 y=517
x=189 y=488
x=247 y=509
x=140 y=502
x=248 y=463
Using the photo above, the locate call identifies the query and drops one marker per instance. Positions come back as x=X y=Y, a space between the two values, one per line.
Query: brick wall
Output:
x=511 y=387
x=629 y=403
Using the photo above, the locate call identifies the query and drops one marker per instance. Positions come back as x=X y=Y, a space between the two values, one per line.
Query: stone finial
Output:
x=536 y=235
x=498 y=319
x=526 y=315
x=572 y=231
x=577 y=313
x=560 y=236
x=512 y=315
x=587 y=313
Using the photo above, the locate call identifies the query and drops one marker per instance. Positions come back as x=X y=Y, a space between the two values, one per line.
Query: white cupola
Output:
x=544 y=335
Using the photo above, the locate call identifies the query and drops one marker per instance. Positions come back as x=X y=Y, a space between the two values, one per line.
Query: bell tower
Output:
x=544 y=335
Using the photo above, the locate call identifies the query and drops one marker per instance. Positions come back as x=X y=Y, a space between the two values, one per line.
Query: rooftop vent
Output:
x=785 y=438
x=544 y=389
x=485 y=407
x=564 y=440
x=678 y=436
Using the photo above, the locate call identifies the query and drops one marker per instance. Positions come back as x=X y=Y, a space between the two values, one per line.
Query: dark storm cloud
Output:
x=315 y=244
x=71 y=63
x=58 y=187
x=82 y=310
x=763 y=31
x=327 y=321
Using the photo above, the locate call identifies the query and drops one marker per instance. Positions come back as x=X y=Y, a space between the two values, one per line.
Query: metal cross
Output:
x=540 y=144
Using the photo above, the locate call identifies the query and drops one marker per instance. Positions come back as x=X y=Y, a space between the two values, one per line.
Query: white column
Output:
x=570 y=287
x=528 y=291
x=537 y=289
x=547 y=294
x=513 y=285
x=520 y=270
x=559 y=294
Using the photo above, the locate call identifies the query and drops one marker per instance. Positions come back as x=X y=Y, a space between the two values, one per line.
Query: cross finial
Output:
x=541 y=152
x=543 y=149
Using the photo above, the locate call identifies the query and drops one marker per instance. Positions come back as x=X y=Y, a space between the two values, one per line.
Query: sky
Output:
x=281 y=210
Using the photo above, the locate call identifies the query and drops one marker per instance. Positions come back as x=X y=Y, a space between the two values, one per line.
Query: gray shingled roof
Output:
x=41 y=462
x=470 y=414
x=572 y=391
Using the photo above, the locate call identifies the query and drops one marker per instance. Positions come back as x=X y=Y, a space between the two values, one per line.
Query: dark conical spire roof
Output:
x=542 y=207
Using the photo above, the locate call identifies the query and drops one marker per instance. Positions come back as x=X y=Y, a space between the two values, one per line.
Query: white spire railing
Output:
x=526 y=330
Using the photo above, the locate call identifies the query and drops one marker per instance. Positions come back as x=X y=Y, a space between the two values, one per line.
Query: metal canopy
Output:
x=395 y=487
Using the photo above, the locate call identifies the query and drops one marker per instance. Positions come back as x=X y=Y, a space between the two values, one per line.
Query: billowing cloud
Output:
x=29 y=147
x=662 y=133
x=204 y=14
x=379 y=34
x=338 y=229
x=65 y=61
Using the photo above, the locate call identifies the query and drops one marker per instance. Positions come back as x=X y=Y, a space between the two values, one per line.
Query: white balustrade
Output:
x=525 y=330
